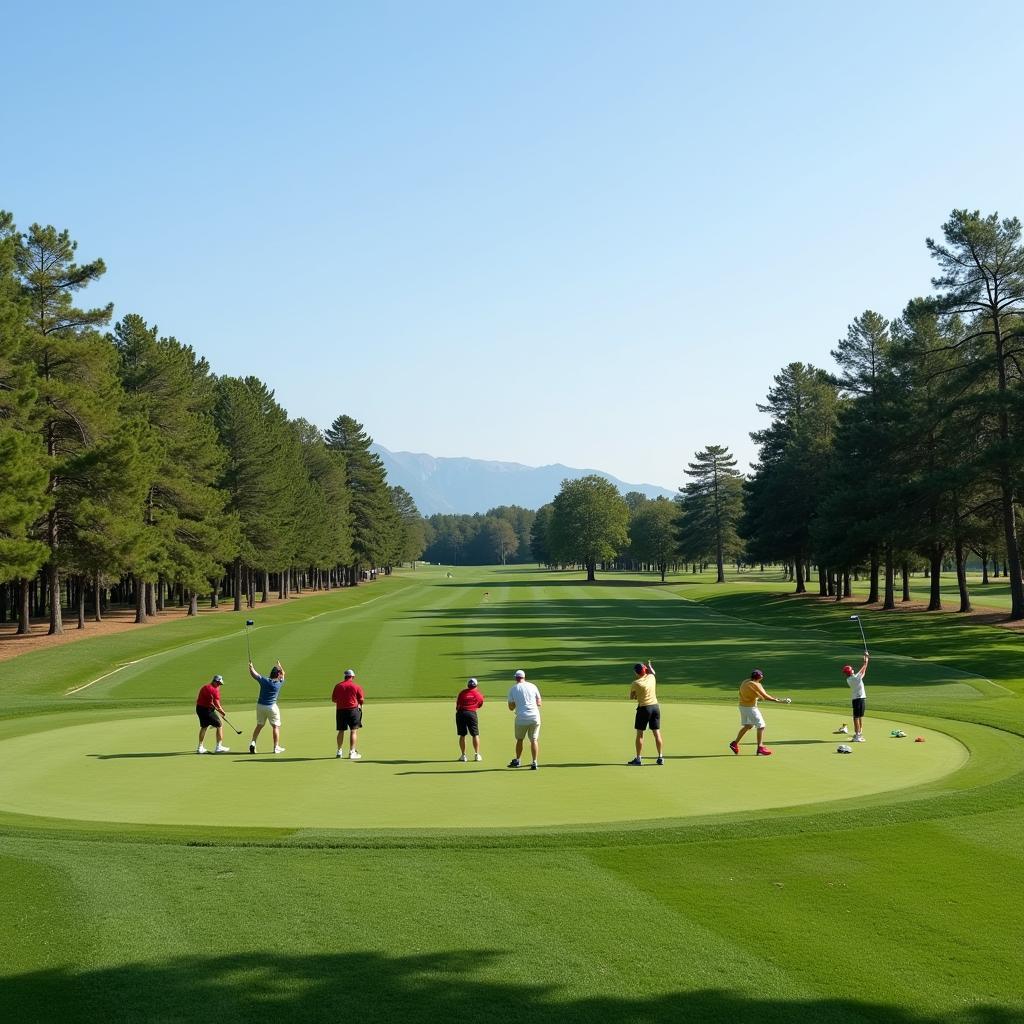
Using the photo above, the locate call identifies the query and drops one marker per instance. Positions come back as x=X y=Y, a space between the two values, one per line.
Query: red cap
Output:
x=847 y=670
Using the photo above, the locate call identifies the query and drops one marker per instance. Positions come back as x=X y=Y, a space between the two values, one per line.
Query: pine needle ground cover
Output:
x=716 y=897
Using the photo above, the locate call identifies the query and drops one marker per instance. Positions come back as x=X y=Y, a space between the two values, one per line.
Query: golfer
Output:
x=858 y=696
x=648 y=713
x=524 y=699
x=751 y=691
x=266 y=705
x=348 y=700
x=467 y=704
x=207 y=705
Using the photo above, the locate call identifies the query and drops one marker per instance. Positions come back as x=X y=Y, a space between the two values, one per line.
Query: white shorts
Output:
x=266 y=714
x=751 y=716
x=527 y=730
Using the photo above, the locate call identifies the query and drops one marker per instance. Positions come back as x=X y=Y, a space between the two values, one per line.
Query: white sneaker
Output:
x=201 y=749
x=478 y=757
x=221 y=749
x=278 y=750
x=354 y=755
x=339 y=754
x=462 y=757
x=841 y=731
x=857 y=738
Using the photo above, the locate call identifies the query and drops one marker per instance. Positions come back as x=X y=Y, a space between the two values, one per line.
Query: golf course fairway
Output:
x=134 y=770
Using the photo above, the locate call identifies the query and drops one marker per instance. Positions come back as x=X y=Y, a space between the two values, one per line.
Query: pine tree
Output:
x=711 y=506
x=78 y=392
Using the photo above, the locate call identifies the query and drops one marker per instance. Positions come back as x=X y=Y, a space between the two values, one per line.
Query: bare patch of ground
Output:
x=115 y=620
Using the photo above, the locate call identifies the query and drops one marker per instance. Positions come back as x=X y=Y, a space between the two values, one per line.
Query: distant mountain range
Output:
x=475 y=485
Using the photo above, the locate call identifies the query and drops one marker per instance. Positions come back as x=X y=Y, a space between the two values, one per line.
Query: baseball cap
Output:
x=218 y=679
x=847 y=670
x=757 y=674
x=520 y=674
x=472 y=684
x=639 y=669
x=350 y=673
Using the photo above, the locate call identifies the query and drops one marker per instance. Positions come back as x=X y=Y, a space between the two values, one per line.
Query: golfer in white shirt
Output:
x=524 y=699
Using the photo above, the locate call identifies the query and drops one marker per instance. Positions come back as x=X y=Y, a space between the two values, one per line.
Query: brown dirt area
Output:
x=116 y=620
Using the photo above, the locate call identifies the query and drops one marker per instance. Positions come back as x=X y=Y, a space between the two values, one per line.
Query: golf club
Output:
x=856 y=618
x=232 y=724
x=248 y=645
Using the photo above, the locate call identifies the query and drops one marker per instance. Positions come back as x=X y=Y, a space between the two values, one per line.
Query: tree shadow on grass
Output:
x=150 y=753
x=378 y=989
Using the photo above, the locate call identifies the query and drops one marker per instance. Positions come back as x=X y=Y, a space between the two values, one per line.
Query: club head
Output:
x=249 y=622
x=857 y=617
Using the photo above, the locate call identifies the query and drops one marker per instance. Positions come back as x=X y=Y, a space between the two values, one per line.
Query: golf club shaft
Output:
x=232 y=724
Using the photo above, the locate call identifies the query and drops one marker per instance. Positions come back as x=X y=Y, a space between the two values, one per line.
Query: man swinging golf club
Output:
x=207 y=706
x=858 y=697
x=751 y=691
x=266 y=705
x=648 y=711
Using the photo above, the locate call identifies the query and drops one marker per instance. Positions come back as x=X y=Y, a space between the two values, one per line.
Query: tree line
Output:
x=908 y=456
x=131 y=473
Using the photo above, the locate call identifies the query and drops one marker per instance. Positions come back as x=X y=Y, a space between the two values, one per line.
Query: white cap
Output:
x=350 y=673
x=520 y=674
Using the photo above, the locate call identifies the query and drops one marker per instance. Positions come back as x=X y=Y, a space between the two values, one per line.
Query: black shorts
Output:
x=208 y=717
x=466 y=723
x=860 y=705
x=648 y=718
x=348 y=718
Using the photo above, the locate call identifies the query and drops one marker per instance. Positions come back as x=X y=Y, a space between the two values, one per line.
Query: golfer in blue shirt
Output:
x=266 y=705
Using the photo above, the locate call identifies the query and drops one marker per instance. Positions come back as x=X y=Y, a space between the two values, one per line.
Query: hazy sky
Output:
x=580 y=232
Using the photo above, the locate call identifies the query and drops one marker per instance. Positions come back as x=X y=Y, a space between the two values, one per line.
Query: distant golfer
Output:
x=467 y=704
x=858 y=696
x=207 y=705
x=648 y=713
x=751 y=691
x=348 y=699
x=266 y=705
x=524 y=699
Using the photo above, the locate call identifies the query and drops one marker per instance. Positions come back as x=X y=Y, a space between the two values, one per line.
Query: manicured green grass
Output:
x=893 y=907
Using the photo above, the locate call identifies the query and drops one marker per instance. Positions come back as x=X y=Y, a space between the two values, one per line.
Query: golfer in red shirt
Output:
x=348 y=714
x=467 y=704
x=207 y=705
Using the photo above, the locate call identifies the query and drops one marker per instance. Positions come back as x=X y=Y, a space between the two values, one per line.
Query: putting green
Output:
x=142 y=771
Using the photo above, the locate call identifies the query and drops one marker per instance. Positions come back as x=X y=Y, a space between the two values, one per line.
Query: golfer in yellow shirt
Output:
x=751 y=691
x=648 y=713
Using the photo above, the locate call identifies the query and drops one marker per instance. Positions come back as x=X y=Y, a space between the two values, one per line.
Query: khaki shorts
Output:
x=527 y=730
x=752 y=717
x=265 y=714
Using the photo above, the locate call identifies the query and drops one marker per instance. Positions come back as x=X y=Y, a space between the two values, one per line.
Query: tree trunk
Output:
x=81 y=602
x=97 y=591
x=935 y=579
x=266 y=587
x=822 y=581
x=25 y=608
x=905 y=572
x=150 y=598
x=591 y=572
x=890 y=579
x=984 y=568
x=53 y=584
x=847 y=584
x=238 y=584
x=161 y=603
x=193 y=603
x=873 y=578
x=961 y=575
x=799 y=569
x=140 y=601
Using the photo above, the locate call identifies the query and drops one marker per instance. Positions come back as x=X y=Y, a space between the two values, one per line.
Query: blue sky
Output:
x=579 y=232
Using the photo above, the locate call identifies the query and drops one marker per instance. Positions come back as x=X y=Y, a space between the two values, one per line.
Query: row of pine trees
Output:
x=132 y=473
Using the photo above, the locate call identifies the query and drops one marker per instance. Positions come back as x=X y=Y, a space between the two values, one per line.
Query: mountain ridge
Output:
x=460 y=485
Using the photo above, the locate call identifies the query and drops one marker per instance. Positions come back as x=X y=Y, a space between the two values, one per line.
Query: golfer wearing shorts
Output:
x=467 y=704
x=266 y=705
x=858 y=696
x=648 y=713
x=207 y=706
x=348 y=713
x=751 y=691
x=524 y=699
